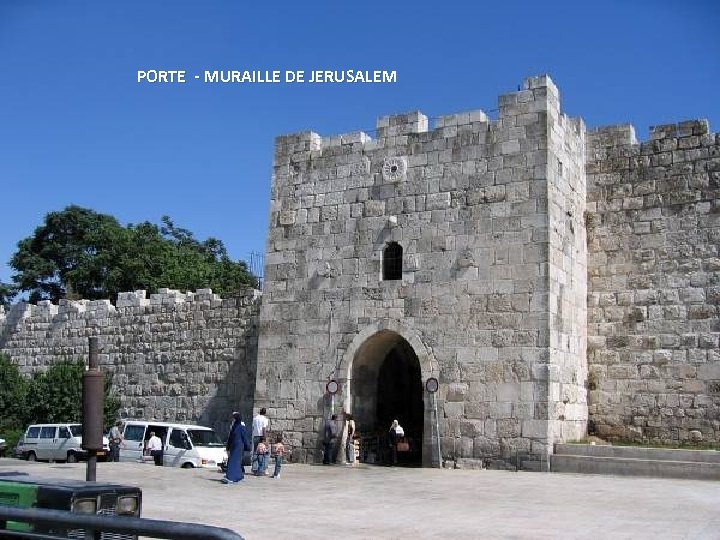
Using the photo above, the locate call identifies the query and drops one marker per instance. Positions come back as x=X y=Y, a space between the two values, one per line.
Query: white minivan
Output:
x=184 y=445
x=55 y=442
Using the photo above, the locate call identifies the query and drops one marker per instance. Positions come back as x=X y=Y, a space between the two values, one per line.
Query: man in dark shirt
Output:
x=330 y=432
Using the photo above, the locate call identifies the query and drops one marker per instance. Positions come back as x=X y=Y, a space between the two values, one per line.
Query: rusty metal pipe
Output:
x=92 y=414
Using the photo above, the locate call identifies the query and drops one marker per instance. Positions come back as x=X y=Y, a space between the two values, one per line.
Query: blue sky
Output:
x=76 y=128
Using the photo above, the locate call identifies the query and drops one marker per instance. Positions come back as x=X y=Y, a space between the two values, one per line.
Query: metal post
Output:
x=437 y=430
x=92 y=410
x=91 y=472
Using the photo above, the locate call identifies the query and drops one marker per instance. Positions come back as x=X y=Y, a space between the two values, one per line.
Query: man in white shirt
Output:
x=154 y=445
x=116 y=440
x=259 y=427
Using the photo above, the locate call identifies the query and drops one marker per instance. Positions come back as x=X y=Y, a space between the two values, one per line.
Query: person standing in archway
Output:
x=330 y=431
x=349 y=442
x=395 y=433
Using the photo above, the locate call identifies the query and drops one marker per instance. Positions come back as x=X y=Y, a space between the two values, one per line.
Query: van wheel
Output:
x=72 y=458
x=31 y=456
x=187 y=465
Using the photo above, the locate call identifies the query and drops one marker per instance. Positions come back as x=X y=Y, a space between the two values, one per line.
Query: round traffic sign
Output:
x=332 y=387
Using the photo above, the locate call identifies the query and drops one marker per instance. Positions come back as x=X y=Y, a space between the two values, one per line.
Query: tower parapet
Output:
x=480 y=235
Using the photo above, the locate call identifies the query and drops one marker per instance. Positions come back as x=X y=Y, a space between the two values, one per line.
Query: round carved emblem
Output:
x=394 y=169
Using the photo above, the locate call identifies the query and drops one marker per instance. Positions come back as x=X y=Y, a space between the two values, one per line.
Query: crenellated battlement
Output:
x=538 y=94
x=692 y=133
x=616 y=148
x=402 y=124
x=126 y=301
x=529 y=245
x=187 y=356
x=687 y=128
x=615 y=135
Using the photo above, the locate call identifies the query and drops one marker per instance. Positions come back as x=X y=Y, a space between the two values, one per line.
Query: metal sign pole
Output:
x=432 y=385
x=332 y=387
x=437 y=431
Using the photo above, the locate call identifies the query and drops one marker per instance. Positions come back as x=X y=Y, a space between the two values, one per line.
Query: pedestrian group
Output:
x=260 y=448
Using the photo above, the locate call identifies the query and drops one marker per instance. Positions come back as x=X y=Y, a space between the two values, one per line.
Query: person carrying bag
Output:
x=349 y=442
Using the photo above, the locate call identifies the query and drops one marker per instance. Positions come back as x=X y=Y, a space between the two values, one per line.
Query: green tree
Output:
x=67 y=255
x=13 y=395
x=7 y=292
x=57 y=395
x=52 y=396
x=80 y=253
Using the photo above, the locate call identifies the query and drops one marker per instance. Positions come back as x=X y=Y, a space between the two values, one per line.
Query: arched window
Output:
x=392 y=261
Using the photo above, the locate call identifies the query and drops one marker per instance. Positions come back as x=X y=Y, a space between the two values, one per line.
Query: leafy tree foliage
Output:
x=78 y=253
x=68 y=253
x=7 y=292
x=13 y=394
x=52 y=396
x=57 y=395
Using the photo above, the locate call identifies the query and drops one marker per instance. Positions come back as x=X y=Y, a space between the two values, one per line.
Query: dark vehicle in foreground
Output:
x=90 y=498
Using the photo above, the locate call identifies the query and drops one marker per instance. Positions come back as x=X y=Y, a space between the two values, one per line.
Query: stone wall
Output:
x=550 y=279
x=567 y=297
x=654 y=283
x=468 y=202
x=175 y=356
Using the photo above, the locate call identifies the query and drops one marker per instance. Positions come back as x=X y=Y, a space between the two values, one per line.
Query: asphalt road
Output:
x=376 y=502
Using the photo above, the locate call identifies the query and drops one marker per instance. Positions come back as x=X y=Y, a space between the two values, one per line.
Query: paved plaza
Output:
x=376 y=502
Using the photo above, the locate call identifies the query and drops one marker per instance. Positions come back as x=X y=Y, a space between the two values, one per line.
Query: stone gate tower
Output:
x=455 y=252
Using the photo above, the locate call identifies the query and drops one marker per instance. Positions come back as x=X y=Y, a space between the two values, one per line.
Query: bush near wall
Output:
x=51 y=396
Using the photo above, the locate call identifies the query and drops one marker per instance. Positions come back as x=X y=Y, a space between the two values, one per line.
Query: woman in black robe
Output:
x=238 y=443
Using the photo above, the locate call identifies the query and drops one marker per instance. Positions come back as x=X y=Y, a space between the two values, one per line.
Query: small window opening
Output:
x=392 y=261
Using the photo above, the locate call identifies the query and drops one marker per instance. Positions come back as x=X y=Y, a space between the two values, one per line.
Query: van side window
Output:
x=64 y=433
x=176 y=438
x=33 y=432
x=134 y=433
x=47 y=432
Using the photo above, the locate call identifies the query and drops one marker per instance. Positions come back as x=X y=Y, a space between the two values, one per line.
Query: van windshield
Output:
x=76 y=430
x=205 y=437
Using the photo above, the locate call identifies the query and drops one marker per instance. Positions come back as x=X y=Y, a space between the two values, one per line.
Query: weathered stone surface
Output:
x=490 y=218
x=177 y=356
x=655 y=247
x=549 y=277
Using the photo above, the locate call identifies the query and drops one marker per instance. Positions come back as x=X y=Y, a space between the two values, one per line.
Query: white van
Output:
x=55 y=442
x=184 y=445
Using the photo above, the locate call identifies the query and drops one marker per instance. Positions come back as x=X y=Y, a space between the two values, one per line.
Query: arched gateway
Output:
x=385 y=367
x=382 y=253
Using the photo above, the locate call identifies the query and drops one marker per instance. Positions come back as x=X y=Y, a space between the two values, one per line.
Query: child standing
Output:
x=261 y=454
x=279 y=451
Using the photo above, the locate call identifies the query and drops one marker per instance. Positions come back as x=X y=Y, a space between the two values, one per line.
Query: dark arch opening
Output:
x=387 y=386
x=392 y=261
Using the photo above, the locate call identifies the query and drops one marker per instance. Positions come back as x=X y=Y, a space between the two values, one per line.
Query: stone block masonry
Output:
x=173 y=356
x=554 y=281
x=489 y=215
x=653 y=216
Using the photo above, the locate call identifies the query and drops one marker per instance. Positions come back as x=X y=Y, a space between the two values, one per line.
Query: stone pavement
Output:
x=375 y=502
